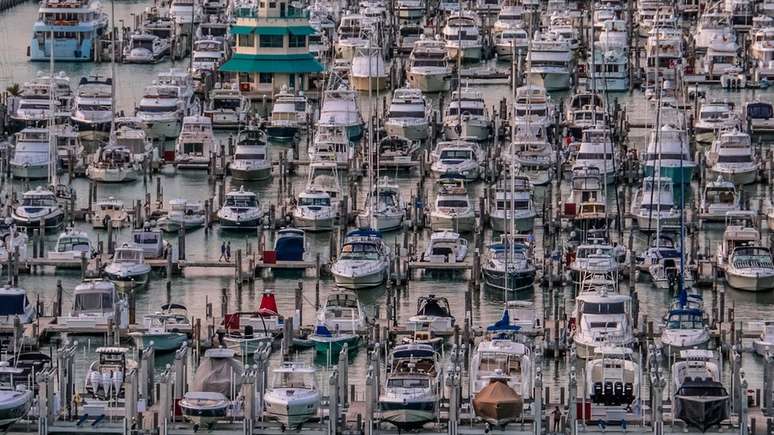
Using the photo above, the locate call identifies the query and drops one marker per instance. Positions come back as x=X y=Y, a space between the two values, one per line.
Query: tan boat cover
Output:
x=498 y=403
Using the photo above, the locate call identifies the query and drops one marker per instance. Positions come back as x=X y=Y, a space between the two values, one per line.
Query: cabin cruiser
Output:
x=182 y=213
x=764 y=344
x=445 y=247
x=654 y=205
x=453 y=209
x=208 y=54
x=161 y=110
x=511 y=206
x=457 y=158
x=113 y=164
x=340 y=108
x=762 y=51
x=411 y=394
x=531 y=156
x=409 y=115
x=95 y=305
x=32 y=154
x=364 y=260
x=741 y=229
x=601 y=319
x=227 y=108
x=669 y=155
x=610 y=68
x=251 y=158
x=549 y=63
x=510 y=42
x=129 y=133
x=750 y=268
x=685 y=328
x=38 y=206
x=128 y=269
x=145 y=48
x=718 y=198
x=507 y=266
x=597 y=150
x=594 y=256
x=532 y=107
x=241 y=211
x=163 y=329
x=317 y=207
x=462 y=33
x=467 y=116
x=433 y=314
x=14 y=303
x=760 y=116
x=428 y=66
x=289 y=115
x=714 y=116
x=72 y=244
x=105 y=376
x=151 y=241
x=215 y=383
x=613 y=378
x=195 y=143
x=93 y=104
x=699 y=397
x=586 y=205
x=111 y=212
x=293 y=396
x=368 y=71
x=384 y=208
x=35 y=101
x=732 y=157
x=331 y=143
x=392 y=151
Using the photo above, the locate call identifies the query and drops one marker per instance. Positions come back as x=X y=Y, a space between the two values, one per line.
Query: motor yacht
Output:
x=363 y=262
x=317 y=207
x=145 y=48
x=467 y=116
x=732 y=157
x=452 y=209
x=128 y=269
x=668 y=155
x=511 y=206
x=384 y=208
x=714 y=116
x=411 y=394
x=38 y=208
x=699 y=397
x=511 y=42
x=601 y=319
x=654 y=205
x=293 y=396
x=550 y=63
x=368 y=71
x=251 y=161
x=113 y=164
x=457 y=158
x=428 y=65
x=507 y=266
x=685 y=328
x=340 y=108
x=462 y=33
x=96 y=303
x=718 y=198
x=32 y=154
x=241 y=211
x=195 y=143
x=289 y=115
x=445 y=247
x=408 y=115
x=750 y=268
x=93 y=104
x=227 y=108
x=72 y=244
x=109 y=212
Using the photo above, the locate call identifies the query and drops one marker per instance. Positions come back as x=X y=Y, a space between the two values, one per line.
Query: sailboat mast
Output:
x=51 y=118
x=371 y=128
x=112 y=63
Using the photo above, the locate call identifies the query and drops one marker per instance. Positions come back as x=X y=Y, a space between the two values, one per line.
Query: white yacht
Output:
x=750 y=268
x=510 y=42
x=718 y=198
x=145 y=48
x=112 y=165
x=532 y=107
x=714 y=116
x=93 y=104
x=765 y=343
x=507 y=266
x=368 y=71
x=384 y=208
x=467 y=116
x=38 y=206
x=511 y=206
x=597 y=150
x=318 y=204
x=511 y=15
x=293 y=396
x=351 y=34
x=741 y=229
x=601 y=319
x=161 y=111
x=182 y=213
x=340 y=108
x=732 y=157
x=33 y=106
x=549 y=63
x=289 y=115
x=128 y=269
x=32 y=154
x=252 y=161
x=721 y=57
x=227 y=108
x=241 y=211
x=712 y=25
x=412 y=391
x=111 y=212
x=72 y=244
x=129 y=133
x=185 y=12
x=429 y=69
x=457 y=158
x=685 y=328
x=408 y=115
x=445 y=247
x=195 y=143
x=609 y=68
x=762 y=51
x=654 y=205
x=408 y=35
x=411 y=9
x=462 y=33
x=151 y=241
x=96 y=302
x=452 y=209
x=364 y=260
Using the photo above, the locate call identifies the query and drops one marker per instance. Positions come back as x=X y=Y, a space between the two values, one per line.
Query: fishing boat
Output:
x=462 y=33
x=113 y=164
x=128 y=269
x=195 y=143
x=409 y=115
x=445 y=247
x=182 y=213
x=289 y=115
x=105 y=376
x=214 y=384
x=433 y=315
x=72 y=244
x=764 y=344
x=109 y=212
x=457 y=158
x=750 y=268
x=428 y=65
x=96 y=303
x=228 y=108
x=466 y=116
x=452 y=209
x=340 y=108
x=14 y=304
x=718 y=198
x=654 y=205
x=38 y=208
x=293 y=396
x=165 y=329
x=32 y=154
x=511 y=206
x=364 y=260
x=368 y=71
x=601 y=319
x=251 y=161
x=411 y=394
x=145 y=48
x=507 y=266
x=613 y=378
x=732 y=157
x=331 y=143
x=241 y=211
x=594 y=256
x=151 y=241
x=93 y=104
x=67 y=30
x=668 y=154
x=385 y=209
x=351 y=34
x=700 y=399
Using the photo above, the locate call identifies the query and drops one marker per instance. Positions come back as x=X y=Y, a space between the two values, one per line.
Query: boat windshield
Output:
x=603 y=307
x=67 y=244
x=98 y=301
x=127 y=256
x=39 y=201
x=241 y=201
x=359 y=251
x=293 y=380
x=719 y=196
x=494 y=361
x=314 y=201
x=453 y=203
x=685 y=321
x=456 y=154
x=408 y=383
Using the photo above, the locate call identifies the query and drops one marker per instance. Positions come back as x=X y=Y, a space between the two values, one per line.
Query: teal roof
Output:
x=267 y=30
x=242 y=30
x=301 y=30
x=272 y=63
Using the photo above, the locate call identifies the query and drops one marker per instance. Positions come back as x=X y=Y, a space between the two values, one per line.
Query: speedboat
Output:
x=293 y=397
x=31 y=158
x=204 y=408
x=409 y=115
x=15 y=304
x=685 y=328
x=96 y=303
x=732 y=157
x=445 y=247
x=613 y=378
x=128 y=269
x=216 y=381
x=151 y=241
x=241 y=211
x=750 y=268
x=245 y=340
x=385 y=209
x=411 y=394
x=182 y=213
x=452 y=209
x=700 y=399
x=251 y=158
x=105 y=376
x=718 y=198
x=317 y=207
x=195 y=143
x=467 y=116
x=601 y=319
x=93 y=104
x=227 y=108
x=145 y=48
x=433 y=315
x=364 y=260
x=38 y=207
x=15 y=398
x=72 y=244
x=654 y=205
x=512 y=207
x=162 y=329
x=457 y=158
x=507 y=266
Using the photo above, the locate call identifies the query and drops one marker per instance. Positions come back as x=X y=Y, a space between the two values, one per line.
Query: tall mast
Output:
x=112 y=63
x=51 y=119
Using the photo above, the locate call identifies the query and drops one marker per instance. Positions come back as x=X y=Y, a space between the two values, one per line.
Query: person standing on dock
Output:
x=228 y=251
x=222 y=252
x=557 y=417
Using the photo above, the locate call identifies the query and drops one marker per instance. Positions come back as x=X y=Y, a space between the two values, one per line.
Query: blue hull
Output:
x=677 y=174
x=65 y=50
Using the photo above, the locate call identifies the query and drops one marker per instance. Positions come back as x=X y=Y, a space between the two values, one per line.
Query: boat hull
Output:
x=312 y=224
x=355 y=282
x=751 y=283
x=408 y=415
x=498 y=404
x=333 y=346
x=522 y=224
x=258 y=174
x=676 y=173
x=429 y=82
x=556 y=81
x=516 y=280
x=29 y=172
x=701 y=412
x=409 y=131
x=168 y=342
x=458 y=224
x=364 y=84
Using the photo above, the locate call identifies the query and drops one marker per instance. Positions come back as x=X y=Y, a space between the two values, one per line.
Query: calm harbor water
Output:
x=193 y=289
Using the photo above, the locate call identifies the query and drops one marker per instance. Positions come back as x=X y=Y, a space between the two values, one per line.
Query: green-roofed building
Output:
x=272 y=49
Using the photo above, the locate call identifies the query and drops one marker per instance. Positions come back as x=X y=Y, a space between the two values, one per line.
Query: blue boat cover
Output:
x=322 y=331
x=504 y=324
x=290 y=248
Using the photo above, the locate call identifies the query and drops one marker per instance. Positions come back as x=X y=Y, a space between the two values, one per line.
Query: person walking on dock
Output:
x=222 y=252
x=557 y=417
x=228 y=251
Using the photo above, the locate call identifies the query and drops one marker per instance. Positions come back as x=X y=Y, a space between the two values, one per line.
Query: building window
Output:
x=271 y=41
x=247 y=40
x=264 y=78
x=297 y=41
x=272 y=5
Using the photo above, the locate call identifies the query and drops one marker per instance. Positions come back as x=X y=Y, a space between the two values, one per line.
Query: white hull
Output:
x=29 y=172
x=409 y=131
x=558 y=81
x=468 y=53
x=163 y=129
x=457 y=224
x=311 y=224
x=738 y=178
x=475 y=129
x=763 y=282
x=355 y=282
x=522 y=224
x=430 y=82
